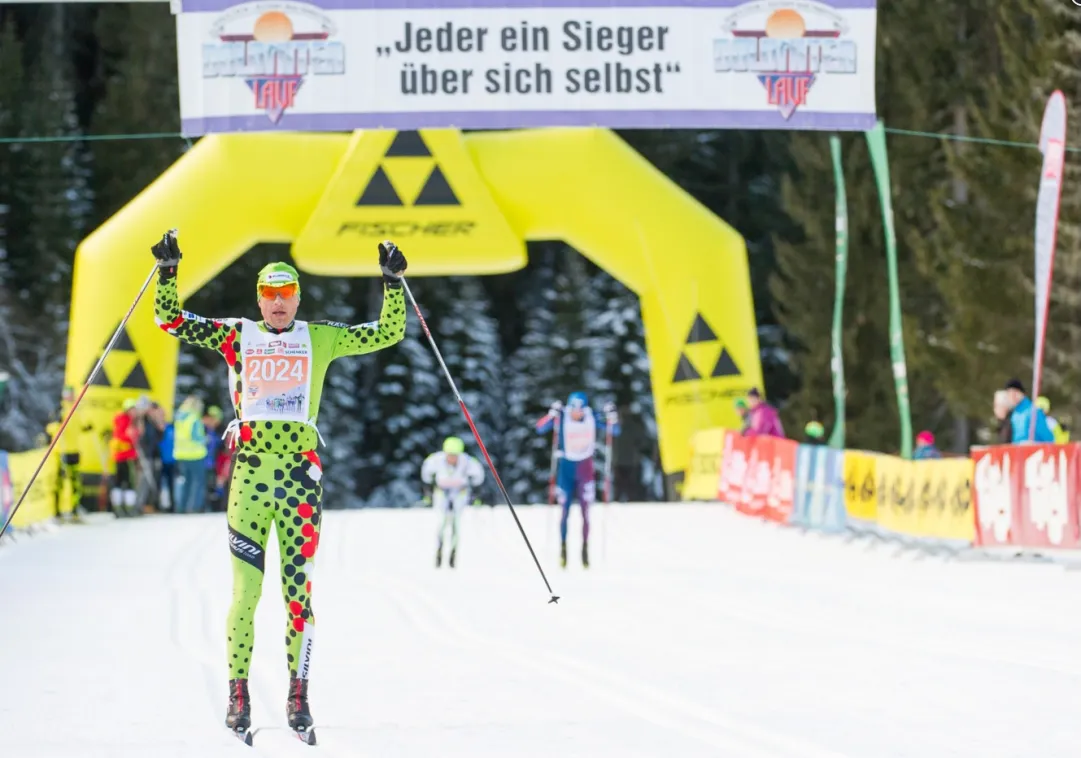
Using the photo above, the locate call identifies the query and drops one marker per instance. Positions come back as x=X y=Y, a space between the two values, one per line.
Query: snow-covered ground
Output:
x=697 y=632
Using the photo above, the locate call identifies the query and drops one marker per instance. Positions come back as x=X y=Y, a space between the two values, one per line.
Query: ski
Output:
x=307 y=736
x=243 y=735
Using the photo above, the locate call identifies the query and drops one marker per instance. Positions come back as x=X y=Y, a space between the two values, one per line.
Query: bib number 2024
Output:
x=275 y=370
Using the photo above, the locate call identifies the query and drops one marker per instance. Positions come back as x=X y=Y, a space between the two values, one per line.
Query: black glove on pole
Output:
x=89 y=381
x=390 y=267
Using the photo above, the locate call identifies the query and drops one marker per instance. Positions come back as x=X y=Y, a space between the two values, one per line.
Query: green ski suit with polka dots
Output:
x=277 y=473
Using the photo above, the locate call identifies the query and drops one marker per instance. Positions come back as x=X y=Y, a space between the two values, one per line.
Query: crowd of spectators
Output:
x=178 y=466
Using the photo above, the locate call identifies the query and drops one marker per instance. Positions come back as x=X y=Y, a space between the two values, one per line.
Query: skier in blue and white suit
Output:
x=575 y=449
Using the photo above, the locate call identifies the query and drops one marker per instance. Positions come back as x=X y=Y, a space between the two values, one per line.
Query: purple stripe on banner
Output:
x=194 y=6
x=346 y=122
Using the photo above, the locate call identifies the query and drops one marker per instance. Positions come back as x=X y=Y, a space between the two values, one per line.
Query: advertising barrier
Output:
x=820 y=488
x=733 y=468
x=861 y=487
x=704 y=467
x=1025 y=496
x=1022 y=497
x=944 y=501
x=7 y=492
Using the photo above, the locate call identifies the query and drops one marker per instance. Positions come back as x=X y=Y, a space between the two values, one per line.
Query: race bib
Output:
x=276 y=383
x=579 y=437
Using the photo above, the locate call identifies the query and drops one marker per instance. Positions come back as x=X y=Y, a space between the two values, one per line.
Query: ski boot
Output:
x=238 y=717
x=296 y=709
x=585 y=555
x=453 y=550
x=439 y=556
x=563 y=555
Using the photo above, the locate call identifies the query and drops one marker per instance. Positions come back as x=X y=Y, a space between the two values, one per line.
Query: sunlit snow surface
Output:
x=697 y=632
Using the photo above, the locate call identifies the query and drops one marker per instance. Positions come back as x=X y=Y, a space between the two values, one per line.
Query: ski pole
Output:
x=552 y=482
x=607 y=487
x=555 y=461
x=476 y=435
x=79 y=399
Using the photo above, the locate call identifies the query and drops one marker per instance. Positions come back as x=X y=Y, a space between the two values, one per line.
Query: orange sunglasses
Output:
x=286 y=291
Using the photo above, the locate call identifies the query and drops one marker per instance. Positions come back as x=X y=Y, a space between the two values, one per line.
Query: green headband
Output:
x=276 y=275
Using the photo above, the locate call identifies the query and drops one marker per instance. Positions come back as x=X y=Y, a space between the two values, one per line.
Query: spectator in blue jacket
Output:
x=168 y=467
x=1021 y=417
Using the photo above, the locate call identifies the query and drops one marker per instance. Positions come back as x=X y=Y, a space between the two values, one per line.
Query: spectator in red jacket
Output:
x=764 y=420
x=125 y=435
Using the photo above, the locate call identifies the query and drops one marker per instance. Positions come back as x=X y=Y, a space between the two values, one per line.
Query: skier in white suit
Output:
x=452 y=474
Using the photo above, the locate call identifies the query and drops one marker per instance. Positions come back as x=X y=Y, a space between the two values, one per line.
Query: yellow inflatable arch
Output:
x=457 y=204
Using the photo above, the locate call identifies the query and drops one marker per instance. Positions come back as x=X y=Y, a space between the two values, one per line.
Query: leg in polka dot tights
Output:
x=283 y=493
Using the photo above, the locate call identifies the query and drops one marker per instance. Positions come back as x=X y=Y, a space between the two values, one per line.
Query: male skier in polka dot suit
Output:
x=277 y=367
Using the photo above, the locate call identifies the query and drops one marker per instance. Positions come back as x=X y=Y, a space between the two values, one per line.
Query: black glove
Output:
x=392 y=263
x=168 y=253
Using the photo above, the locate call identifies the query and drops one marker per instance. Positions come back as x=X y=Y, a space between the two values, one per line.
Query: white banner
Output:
x=407 y=64
x=1053 y=147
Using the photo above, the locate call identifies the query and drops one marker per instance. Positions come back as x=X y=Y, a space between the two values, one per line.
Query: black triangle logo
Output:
x=408 y=145
x=379 y=191
x=725 y=366
x=101 y=380
x=124 y=342
x=685 y=372
x=437 y=191
x=700 y=331
x=136 y=379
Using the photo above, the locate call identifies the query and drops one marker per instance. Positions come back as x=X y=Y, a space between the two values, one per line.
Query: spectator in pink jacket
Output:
x=764 y=420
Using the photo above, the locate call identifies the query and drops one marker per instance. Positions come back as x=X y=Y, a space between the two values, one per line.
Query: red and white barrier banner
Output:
x=1027 y=496
x=758 y=475
x=756 y=485
x=733 y=468
x=782 y=494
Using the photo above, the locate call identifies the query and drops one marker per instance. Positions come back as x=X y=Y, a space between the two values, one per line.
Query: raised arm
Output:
x=375 y=335
x=195 y=330
x=390 y=328
x=547 y=421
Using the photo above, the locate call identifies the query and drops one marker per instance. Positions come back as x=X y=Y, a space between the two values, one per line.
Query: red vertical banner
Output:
x=996 y=492
x=1047 y=496
x=782 y=493
x=1053 y=147
x=733 y=468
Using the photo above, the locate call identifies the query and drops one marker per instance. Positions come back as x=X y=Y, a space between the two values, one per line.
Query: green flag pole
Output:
x=837 y=366
x=876 y=143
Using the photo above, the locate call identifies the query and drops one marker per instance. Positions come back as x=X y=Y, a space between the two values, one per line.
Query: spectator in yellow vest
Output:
x=189 y=449
x=1058 y=431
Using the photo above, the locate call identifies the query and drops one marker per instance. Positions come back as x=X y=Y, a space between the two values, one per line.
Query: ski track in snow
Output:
x=696 y=633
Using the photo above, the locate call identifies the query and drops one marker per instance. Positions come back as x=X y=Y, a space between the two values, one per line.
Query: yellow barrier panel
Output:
x=923 y=498
x=40 y=504
x=944 y=501
x=704 y=469
x=897 y=495
x=861 y=486
x=463 y=204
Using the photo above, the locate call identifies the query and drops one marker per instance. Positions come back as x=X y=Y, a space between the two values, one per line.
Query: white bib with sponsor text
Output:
x=276 y=382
